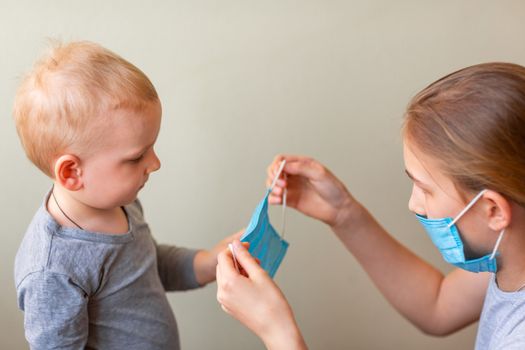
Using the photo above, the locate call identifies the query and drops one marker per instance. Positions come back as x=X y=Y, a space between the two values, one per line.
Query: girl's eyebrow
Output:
x=419 y=182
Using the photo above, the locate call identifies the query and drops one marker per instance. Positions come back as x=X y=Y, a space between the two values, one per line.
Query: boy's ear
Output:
x=68 y=172
x=498 y=209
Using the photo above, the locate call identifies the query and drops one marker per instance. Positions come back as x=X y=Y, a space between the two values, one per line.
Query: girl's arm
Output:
x=435 y=303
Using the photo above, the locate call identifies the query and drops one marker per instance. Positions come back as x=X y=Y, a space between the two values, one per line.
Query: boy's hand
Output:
x=205 y=261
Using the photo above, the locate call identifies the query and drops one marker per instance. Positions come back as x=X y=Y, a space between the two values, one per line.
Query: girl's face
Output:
x=434 y=195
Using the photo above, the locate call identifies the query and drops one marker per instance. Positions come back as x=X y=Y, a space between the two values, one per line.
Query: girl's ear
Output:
x=498 y=210
x=68 y=172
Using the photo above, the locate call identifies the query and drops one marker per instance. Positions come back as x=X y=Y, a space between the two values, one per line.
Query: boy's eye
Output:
x=136 y=160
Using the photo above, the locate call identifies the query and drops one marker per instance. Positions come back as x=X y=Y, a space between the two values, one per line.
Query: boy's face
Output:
x=114 y=174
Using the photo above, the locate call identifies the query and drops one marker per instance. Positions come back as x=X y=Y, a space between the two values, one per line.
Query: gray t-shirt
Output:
x=92 y=290
x=502 y=322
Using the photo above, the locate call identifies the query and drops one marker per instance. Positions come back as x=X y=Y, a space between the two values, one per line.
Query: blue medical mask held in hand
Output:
x=265 y=243
x=445 y=236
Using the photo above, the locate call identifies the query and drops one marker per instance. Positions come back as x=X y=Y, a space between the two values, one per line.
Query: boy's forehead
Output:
x=129 y=128
x=132 y=117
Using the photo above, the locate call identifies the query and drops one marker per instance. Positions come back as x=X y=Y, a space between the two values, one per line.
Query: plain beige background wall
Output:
x=241 y=81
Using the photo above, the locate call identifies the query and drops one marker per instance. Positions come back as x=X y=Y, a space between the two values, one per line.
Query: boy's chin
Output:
x=133 y=199
x=129 y=200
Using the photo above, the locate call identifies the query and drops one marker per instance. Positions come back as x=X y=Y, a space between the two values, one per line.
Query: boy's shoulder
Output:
x=34 y=249
x=50 y=248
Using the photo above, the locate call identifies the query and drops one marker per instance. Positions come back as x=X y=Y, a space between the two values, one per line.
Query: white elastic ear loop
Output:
x=472 y=202
x=281 y=167
x=283 y=223
x=279 y=171
x=497 y=244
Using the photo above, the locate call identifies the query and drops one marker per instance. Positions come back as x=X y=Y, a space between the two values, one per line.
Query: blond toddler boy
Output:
x=88 y=273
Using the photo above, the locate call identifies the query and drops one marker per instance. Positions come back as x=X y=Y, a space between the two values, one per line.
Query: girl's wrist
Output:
x=287 y=337
x=350 y=213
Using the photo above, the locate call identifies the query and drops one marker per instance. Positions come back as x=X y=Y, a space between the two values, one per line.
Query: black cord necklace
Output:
x=55 y=198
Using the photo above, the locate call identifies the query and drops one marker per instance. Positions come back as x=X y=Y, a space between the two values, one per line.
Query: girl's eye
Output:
x=424 y=190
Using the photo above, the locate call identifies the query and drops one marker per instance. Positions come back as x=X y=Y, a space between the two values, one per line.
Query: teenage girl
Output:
x=464 y=150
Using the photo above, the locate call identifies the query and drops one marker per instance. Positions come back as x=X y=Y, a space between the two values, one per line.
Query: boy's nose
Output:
x=155 y=164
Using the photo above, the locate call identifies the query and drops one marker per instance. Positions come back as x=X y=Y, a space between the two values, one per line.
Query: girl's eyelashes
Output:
x=424 y=190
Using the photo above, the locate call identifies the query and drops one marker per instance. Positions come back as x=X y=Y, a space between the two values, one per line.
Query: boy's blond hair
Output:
x=68 y=90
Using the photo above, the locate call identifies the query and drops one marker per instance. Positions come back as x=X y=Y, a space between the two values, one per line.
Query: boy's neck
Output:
x=69 y=212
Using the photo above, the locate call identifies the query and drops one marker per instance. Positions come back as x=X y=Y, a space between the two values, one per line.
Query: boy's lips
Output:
x=144 y=184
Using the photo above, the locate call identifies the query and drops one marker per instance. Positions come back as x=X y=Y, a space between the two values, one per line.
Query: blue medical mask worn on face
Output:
x=445 y=236
x=265 y=243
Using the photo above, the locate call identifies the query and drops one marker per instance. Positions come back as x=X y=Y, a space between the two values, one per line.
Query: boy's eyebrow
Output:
x=419 y=182
x=141 y=151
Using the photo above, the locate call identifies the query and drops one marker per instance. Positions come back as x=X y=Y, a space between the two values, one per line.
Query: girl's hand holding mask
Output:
x=311 y=189
x=252 y=297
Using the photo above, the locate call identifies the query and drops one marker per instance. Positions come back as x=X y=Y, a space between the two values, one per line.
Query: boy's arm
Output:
x=55 y=311
x=175 y=267
x=182 y=268
x=205 y=263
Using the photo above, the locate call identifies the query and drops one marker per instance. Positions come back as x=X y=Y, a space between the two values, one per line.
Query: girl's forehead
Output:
x=419 y=168
x=426 y=170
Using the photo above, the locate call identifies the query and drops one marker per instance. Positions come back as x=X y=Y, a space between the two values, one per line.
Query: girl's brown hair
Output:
x=473 y=122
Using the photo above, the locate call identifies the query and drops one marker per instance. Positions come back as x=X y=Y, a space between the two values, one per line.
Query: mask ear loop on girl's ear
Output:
x=472 y=202
x=281 y=167
x=496 y=246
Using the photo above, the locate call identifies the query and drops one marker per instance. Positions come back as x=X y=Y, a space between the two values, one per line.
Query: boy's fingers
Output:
x=238 y=234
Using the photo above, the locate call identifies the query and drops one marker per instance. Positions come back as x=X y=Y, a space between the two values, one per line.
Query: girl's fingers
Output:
x=225 y=266
x=246 y=260
x=305 y=167
x=274 y=199
x=277 y=191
